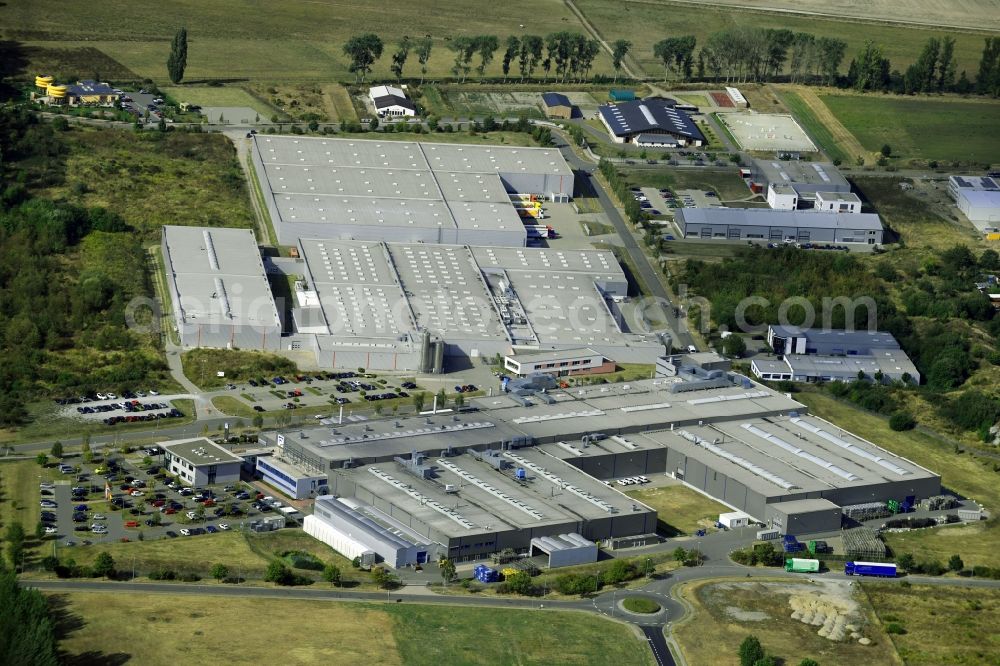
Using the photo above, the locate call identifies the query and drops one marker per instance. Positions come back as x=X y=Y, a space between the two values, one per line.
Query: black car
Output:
x=171 y=534
x=258 y=408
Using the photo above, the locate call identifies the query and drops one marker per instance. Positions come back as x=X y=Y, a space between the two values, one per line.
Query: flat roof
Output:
x=200 y=451
x=891 y=362
x=981 y=198
x=485 y=500
x=649 y=116
x=803 y=172
x=806 y=505
x=831 y=336
x=288 y=468
x=849 y=197
x=219 y=276
x=329 y=181
x=536 y=356
x=974 y=182
x=762 y=217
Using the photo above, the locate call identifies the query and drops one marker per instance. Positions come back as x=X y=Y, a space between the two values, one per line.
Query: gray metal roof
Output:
x=760 y=217
x=200 y=451
x=803 y=172
x=858 y=339
x=219 y=276
x=805 y=506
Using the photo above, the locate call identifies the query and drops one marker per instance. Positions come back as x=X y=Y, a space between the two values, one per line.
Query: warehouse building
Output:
x=777 y=226
x=357 y=189
x=520 y=468
x=200 y=462
x=625 y=121
x=815 y=355
x=979 y=200
x=557 y=105
x=391 y=306
x=292 y=480
x=219 y=289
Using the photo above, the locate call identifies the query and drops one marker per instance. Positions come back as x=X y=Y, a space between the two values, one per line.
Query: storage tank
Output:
x=439 y=357
x=43 y=82
x=57 y=91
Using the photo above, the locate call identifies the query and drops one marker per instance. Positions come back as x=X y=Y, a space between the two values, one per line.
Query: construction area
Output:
x=767 y=132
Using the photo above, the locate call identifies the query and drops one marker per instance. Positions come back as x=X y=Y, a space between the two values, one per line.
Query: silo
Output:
x=439 y=357
x=426 y=353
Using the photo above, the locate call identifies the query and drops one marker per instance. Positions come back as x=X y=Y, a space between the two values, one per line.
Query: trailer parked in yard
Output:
x=883 y=569
x=768 y=535
x=800 y=565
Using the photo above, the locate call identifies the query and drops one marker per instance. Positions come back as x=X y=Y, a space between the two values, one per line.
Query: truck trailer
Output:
x=800 y=565
x=883 y=569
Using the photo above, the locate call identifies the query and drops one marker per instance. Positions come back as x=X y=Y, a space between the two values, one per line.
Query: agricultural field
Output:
x=159 y=629
x=233 y=96
x=729 y=611
x=939 y=625
x=974 y=14
x=271 y=43
x=152 y=179
x=840 y=149
x=679 y=510
x=943 y=129
x=645 y=22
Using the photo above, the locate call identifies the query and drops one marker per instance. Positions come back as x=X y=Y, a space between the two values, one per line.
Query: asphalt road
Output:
x=658 y=644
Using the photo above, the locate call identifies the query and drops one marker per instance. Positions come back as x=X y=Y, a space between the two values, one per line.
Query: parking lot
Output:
x=78 y=507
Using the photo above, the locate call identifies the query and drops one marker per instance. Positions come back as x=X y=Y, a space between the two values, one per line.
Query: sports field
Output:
x=236 y=40
x=920 y=127
x=645 y=22
x=153 y=629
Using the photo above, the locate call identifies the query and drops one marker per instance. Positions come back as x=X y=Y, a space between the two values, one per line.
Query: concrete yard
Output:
x=767 y=132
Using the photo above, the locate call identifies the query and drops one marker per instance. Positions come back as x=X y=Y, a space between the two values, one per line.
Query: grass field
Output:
x=266 y=42
x=961 y=473
x=977 y=544
x=924 y=128
x=202 y=366
x=218 y=96
x=19 y=497
x=230 y=405
x=817 y=131
x=642 y=22
x=158 y=630
x=679 y=510
x=725 y=613
x=728 y=184
x=153 y=179
x=942 y=625
x=247 y=555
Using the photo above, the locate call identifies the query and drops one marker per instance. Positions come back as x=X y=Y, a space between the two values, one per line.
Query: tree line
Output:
x=739 y=54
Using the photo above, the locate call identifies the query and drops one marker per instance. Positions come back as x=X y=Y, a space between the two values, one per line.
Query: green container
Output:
x=893 y=505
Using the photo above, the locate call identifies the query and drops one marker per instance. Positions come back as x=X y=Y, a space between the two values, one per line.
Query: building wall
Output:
x=812 y=522
x=780 y=233
x=296 y=487
x=560 y=111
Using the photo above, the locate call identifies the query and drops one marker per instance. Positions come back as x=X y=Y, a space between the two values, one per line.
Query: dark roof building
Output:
x=557 y=105
x=394 y=105
x=626 y=121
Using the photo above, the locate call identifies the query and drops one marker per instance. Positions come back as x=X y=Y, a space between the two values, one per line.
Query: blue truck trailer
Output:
x=883 y=569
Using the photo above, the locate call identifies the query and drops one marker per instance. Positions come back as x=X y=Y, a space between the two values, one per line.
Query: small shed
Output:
x=557 y=105
x=621 y=96
x=565 y=550
x=734 y=519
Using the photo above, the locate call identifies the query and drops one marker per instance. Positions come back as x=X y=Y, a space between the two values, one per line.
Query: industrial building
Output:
x=557 y=105
x=390 y=306
x=200 y=461
x=838 y=202
x=561 y=363
x=803 y=177
x=515 y=468
x=778 y=226
x=292 y=480
x=219 y=289
x=656 y=141
x=391 y=102
x=979 y=200
x=814 y=355
x=625 y=121
x=82 y=93
x=358 y=189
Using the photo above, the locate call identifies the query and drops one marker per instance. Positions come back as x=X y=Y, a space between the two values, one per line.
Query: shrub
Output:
x=901 y=421
x=162 y=573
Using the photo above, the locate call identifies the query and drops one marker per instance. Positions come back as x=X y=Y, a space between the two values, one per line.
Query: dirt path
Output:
x=847 y=141
x=627 y=64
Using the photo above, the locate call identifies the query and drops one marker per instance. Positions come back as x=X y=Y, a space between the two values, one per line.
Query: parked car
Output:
x=223 y=526
x=185 y=531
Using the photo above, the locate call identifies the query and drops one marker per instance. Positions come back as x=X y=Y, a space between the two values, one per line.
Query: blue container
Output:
x=520 y=474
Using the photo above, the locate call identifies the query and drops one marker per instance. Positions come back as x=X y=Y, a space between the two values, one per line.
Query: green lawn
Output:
x=915 y=127
x=679 y=510
x=645 y=22
x=817 y=131
x=218 y=96
x=202 y=366
x=728 y=184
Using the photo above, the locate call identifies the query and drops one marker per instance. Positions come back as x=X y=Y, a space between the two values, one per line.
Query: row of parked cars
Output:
x=152 y=416
x=105 y=395
x=633 y=481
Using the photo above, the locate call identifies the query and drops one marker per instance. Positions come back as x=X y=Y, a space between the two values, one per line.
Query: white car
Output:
x=140 y=394
x=100 y=516
x=185 y=531
x=137 y=493
x=101 y=396
x=191 y=515
x=112 y=396
x=47 y=486
x=98 y=529
x=50 y=530
x=152 y=392
x=223 y=526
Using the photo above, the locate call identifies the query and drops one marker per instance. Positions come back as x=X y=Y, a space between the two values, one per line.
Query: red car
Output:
x=131 y=523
